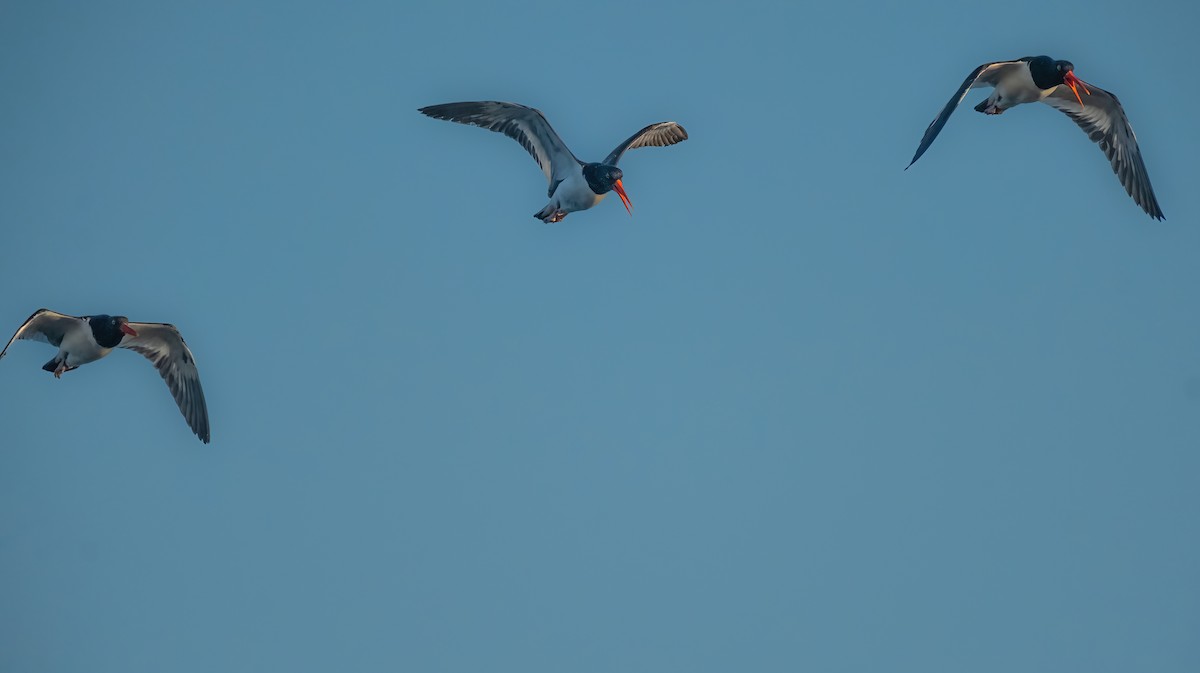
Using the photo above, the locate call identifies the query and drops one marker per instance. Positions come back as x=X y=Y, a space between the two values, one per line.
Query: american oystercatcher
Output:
x=574 y=185
x=1096 y=111
x=85 y=339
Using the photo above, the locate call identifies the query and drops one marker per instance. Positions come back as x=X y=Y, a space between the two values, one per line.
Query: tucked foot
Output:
x=550 y=213
x=989 y=107
x=58 y=371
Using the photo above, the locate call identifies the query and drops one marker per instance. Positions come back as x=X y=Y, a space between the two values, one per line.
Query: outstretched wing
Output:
x=1103 y=119
x=654 y=135
x=985 y=75
x=46 y=326
x=164 y=347
x=523 y=124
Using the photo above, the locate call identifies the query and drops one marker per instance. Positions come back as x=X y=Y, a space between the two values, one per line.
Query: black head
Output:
x=108 y=330
x=1048 y=73
x=601 y=177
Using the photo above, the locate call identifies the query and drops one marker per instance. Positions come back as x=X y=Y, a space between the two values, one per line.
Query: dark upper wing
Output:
x=165 y=348
x=1103 y=119
x=523 y=124
x=654 y=135
x=46 y=326
x=985 y=75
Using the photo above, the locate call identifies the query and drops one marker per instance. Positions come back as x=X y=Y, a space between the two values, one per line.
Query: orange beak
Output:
x=1074 y=82
x=128 y=330
x=624 y=197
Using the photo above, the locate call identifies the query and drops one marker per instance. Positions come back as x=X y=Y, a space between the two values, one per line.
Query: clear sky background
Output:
x=803 y=411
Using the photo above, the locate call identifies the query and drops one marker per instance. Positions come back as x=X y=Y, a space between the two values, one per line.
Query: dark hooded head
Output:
x=601 y=178
x=1048 y=73
x=1063 y=72
x=108 y=330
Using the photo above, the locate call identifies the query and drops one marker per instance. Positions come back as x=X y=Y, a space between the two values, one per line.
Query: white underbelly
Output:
x=574 y=194
x=1018 y=89
x=81 y=348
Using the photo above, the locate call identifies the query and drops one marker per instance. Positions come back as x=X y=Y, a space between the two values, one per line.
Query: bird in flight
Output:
x=574 y=185
x=1096 y=111
x=85 y=339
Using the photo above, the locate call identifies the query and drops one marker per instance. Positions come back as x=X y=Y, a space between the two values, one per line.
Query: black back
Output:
x=600 y=177
x=1047 y=73
x=106 y=329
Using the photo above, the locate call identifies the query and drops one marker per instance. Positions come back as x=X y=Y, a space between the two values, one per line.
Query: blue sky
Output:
x=803 y=411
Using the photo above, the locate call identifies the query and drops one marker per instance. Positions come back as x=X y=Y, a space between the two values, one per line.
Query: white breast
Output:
x=574 y=194
x=80 y=347
x=1018 y=88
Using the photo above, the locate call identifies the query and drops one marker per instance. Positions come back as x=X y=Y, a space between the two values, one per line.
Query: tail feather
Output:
x=52 y=364
x=546 y=213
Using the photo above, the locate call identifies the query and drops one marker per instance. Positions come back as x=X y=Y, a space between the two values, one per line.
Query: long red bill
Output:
x=128 y=330
x=1074 y=82
x=624 y=197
